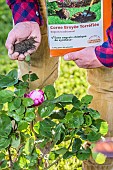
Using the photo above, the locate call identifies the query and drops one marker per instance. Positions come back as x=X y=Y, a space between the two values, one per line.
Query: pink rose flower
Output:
x=37 y=96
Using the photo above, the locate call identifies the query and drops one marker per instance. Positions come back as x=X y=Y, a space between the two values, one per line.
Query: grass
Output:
x=95 y=8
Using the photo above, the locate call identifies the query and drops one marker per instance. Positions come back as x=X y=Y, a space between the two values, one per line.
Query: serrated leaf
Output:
x=93 y=136
x=2 y=156
x=29 y=116
x=68 y=155
x=76 y=145
x=101 y=125
x=83 y=154
x=6 y=96
x=27 y=102
x=22 y=125
x=20 y=92
x=10 y=79
x=87 y=99
x=17 y=102
x=61 y=151
x=94 y=114
x=4 y=143
x=76 y=103
x=15 y=140
x=50 y=92
x=36 y=127
x=33 y=77
x=25 y=77
x=5 y=125
x=29 y=146
x=87 y=120
x=57 y=114
x=65 y=98
x=46 y=111
x=20 y=110
x=11 y=106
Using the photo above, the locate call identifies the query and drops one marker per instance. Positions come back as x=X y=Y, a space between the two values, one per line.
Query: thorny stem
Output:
x=10 y=159
x=29 y=72
x=59 y=157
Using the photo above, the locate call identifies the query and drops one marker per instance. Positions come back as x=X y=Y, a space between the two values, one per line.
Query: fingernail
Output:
x=66 y=57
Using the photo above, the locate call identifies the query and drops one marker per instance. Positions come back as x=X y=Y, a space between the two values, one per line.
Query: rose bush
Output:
x=28 y=142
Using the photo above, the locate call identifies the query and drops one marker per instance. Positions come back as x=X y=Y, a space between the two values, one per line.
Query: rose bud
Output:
x=37 y=96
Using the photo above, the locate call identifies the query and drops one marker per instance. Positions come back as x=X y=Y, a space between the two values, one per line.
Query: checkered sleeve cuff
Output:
x=26 y=11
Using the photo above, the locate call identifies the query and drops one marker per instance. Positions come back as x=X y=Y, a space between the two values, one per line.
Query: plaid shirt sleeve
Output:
x=104 y=52
x=25 y=10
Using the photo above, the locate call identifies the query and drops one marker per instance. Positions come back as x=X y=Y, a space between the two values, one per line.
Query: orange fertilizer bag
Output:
x=75 y=24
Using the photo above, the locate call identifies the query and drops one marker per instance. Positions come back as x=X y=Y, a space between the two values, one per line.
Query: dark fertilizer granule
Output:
x=25 y=45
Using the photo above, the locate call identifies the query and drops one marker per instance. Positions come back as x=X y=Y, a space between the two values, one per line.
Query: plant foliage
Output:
x=29 y=135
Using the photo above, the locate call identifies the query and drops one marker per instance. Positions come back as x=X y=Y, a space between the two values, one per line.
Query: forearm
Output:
x=104 y=52
x=25 y=10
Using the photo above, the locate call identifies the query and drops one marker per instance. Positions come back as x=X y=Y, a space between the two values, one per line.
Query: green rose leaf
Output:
x=59 y=130
x=11 y=106
x=65 y=98
x=57 y=114
x=1 y=106
x=93 y=136
x=76 y=103
x=4 y=143
x=33 y=77
x=87 y=99
x=9 y=80
x=45 y=128
x=22 y=85
x=68 y=155
x=76 y=145
x=36 y=127
x=94 y=114
x=2 y=156
x=17 y=102
x=61 y=151
x=15 y=140
x=29 y=146
x=83 y=154
x=87 y=120
x=20 y=110
x=29 y=116
x=20 y=92
x=5 y=125
x=25 y=77
x=77 y=120
x=6 y=96
x=27 y=102
x=22 y=125
x=50 y=92
x=46 y=111
x=102 y=126
x=17 y=117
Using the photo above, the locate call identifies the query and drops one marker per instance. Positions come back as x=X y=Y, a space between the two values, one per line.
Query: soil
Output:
x=25 y=45
x=80 y=3
x=82 y=18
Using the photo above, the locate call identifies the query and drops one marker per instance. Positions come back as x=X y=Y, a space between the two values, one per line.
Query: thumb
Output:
x=10 y=42
x=70 y=56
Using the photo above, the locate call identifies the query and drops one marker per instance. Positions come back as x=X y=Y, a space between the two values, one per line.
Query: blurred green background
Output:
x=71 y=78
